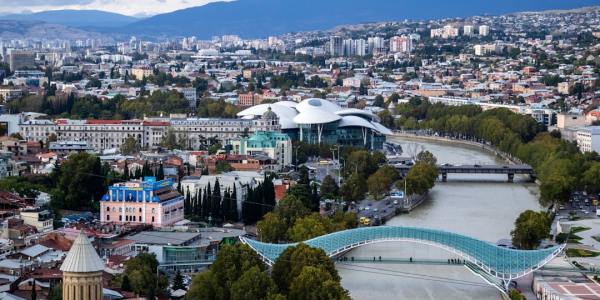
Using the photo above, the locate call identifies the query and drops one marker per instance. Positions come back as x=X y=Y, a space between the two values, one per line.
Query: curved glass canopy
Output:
x=500 y=262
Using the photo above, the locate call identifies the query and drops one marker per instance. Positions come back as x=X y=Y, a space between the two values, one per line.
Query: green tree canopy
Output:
x=80 y=182
x=316 y=283
x=292 y=260
x=530 y=229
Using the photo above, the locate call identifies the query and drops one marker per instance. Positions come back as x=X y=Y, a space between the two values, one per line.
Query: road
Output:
x=383 y=209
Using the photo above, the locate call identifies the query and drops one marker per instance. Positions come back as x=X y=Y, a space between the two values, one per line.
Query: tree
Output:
x=214 y=148
x=170 y=141
x=223 y=167
x=427 y=157
x=379 y=101
x=514 y=294
x=271 y=229
x=316 y=283
x=381 y=181
x=354 y=188
x=33 y=290
x=591 y=178
x=290 y=209
x=130 y=146
x=141 y=271
x=125 y=284
x=530 y=228
x=80 y=182
x=292 y=260
x=420 y=178
x=307 y=228
x=329 y=188
x=178 y=281
x=205 y=286
x=231 y=263
x=253 y=284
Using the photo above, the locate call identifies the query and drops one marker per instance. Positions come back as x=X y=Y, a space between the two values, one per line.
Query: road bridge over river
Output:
x=509 y=170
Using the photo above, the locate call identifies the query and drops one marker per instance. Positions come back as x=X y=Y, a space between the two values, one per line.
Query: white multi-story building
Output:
x=468 y=30
x=484 y=30
x=375 y=44
x=445 y=32
x=37 y=130
x=401 y=44
x=588 y=139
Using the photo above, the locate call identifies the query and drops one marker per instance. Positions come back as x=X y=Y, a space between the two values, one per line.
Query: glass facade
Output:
x=331 y=134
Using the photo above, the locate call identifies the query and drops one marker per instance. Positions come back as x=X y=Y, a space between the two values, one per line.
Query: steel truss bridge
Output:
x=510 y=170
x=496 y=265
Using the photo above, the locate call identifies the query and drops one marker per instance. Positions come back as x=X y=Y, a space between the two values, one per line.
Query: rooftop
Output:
x=165 y=238
x=82 y=258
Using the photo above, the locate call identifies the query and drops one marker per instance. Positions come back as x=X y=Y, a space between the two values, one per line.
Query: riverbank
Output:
x=459 y=142
x=485 y=210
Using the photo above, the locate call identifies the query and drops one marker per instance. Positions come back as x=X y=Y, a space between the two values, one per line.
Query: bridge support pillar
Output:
x=444 y=177
x=511 y=177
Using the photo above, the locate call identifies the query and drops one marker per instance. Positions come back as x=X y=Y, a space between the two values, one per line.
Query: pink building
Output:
x=151 y=202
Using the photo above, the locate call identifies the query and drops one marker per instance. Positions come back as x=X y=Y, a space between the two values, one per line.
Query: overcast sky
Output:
x=127 y=7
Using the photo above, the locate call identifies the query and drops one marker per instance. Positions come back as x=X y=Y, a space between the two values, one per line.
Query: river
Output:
x=484 y=207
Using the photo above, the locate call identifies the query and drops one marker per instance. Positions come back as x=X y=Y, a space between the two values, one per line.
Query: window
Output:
x=107 y=217
x=152 y=219
x=107 y=208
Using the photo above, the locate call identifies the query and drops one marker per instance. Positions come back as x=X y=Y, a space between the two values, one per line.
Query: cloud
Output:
x=127 y=7
x=26 y=3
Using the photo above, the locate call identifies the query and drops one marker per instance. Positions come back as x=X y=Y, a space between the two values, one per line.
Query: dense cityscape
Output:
x=450 y=158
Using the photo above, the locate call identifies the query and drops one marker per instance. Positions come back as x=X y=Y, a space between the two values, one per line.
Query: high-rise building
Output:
x=361 y=47
x=21 y=59
x=484 y=30
x=376 y=44
x=468 y=30
x=401 y=44
x=336 y=47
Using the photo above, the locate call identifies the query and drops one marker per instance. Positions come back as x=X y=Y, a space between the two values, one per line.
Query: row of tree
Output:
x=300 y=272
x=559 y=164
x=212 y=204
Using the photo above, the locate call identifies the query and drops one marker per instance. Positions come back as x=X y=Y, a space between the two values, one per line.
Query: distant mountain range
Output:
x=10 y=29
x=261 y=18
x=88 y=19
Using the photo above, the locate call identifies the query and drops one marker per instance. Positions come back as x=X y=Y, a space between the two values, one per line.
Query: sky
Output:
x=138 y=8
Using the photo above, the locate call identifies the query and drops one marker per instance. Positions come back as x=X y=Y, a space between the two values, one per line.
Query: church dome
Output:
x=269 y=115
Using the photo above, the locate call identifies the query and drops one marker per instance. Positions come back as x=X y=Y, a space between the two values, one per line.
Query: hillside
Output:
x=10 y=29
x=260 y=18
x=76 y=18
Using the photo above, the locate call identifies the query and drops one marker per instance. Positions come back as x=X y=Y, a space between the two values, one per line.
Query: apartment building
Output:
x=588 y=139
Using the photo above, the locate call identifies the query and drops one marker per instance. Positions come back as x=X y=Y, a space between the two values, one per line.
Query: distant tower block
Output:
x=82 y=272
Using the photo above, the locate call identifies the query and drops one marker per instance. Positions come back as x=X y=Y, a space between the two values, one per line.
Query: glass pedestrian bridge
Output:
x=499 y=262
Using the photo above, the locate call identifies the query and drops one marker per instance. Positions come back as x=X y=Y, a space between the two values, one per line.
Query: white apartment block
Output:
x=468 y=30
x=444 y=32
x=588 y=139
x=484 y=30
x=402 y=44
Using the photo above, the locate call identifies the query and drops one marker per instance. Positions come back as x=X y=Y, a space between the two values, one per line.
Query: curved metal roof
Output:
x=382 y=129
x=82 y=258
x=291 y=104
x=314 y=115
x=356 y=112
x=316 y=103
x=500 y=262
x=354 y=121
x=285 y=113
